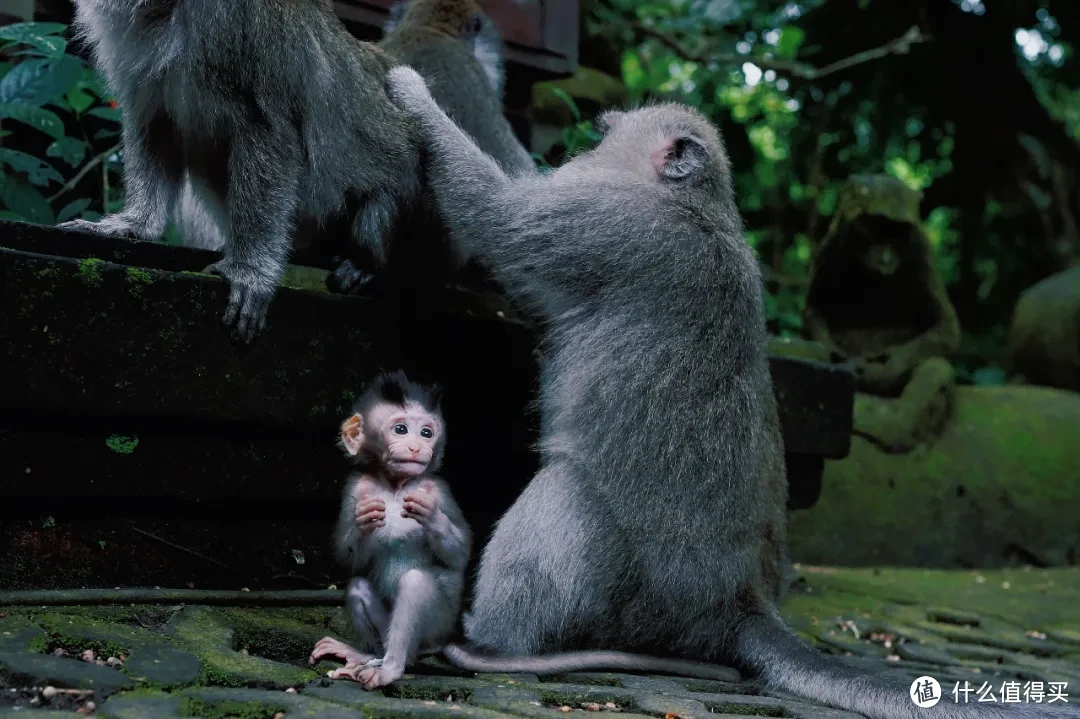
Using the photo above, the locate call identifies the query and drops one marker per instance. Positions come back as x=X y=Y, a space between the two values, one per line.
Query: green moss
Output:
x=221 y=710
x=427 y=692
x=121 y=444
x=273 y=636
x=595 y=680
x=137 y=279
x=567 y=698
x=47 y=273
x=745 y=710
x=209 y=635
x=898 y=598
x=90 y=271
x=1002 y=475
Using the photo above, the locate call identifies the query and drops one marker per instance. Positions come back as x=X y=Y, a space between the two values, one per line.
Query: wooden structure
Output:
x=140 y=445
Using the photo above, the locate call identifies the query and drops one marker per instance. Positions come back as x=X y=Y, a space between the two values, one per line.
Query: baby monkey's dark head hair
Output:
x=396 y=427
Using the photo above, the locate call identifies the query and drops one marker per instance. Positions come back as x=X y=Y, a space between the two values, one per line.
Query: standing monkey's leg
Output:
x=264 y=170
x=153 y=169
x=368 y=621
x=416 y=607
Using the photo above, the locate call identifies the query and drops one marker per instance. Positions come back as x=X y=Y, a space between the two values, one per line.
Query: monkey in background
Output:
x=400 y=532
x=457 y=49
x=648 y=527
x=273 y=111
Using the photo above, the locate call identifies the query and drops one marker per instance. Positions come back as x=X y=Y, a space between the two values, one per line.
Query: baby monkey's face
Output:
x=406 y=437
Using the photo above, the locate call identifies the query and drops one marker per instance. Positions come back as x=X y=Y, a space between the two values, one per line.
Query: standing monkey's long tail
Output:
x=770 y=651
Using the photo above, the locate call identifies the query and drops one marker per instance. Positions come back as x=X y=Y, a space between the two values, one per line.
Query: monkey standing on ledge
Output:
x=648 y=527
x=271 y=110
x=457 y=49
x=400 y=532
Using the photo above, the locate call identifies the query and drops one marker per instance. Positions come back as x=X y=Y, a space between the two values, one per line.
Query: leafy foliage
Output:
x=982 y=117
x=57 y=111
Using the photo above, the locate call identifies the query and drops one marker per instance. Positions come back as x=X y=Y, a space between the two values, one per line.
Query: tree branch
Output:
x=93 y=162
x=801 y=70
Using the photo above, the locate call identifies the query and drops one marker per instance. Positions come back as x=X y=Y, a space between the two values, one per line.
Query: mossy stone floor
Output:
x=251 y=662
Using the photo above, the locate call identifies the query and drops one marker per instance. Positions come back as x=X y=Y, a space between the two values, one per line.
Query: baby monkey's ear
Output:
x=352 y=433
x=680 y=157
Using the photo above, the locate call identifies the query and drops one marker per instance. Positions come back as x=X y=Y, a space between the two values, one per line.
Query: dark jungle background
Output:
x=909 y=175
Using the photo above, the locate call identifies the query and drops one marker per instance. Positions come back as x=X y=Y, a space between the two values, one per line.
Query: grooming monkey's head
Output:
x=396 y=428
x=671 y=143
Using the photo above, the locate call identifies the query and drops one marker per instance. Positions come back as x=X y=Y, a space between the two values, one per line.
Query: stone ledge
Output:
x=249 y=657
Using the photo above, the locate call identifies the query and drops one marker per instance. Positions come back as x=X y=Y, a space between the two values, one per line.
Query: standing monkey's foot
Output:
x=117 y=225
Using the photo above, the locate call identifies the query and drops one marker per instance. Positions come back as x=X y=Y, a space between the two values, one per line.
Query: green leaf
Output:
x=36 y=82
x=38 y=171
x=41 y=35
x=562 y=95
x=79 y=100
x=72 y=209
x=791 y=38
x=26 y=201
x=96 y=84
x=69 y=149
x=37 y=117
x=9 y=215
x=106 y=113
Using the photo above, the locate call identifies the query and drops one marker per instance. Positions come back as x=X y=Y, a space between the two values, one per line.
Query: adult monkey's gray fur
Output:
x=647 y=527
x=457 y=49
x=274 y=111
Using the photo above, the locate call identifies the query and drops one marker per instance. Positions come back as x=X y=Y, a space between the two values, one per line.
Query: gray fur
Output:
x=274 y=110
x=197 y=226
x=463 y=59
x=465 y=74
x=405 y=595
x=647 y=529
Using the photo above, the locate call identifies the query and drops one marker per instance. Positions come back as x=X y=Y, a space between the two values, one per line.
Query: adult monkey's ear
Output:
x=680 y=157
x=352 y=431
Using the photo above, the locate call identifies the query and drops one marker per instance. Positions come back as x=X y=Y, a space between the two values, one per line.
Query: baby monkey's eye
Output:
x=400 y=429
x=426 y=433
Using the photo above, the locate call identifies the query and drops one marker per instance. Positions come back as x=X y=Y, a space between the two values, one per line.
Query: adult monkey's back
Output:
x=648 y=526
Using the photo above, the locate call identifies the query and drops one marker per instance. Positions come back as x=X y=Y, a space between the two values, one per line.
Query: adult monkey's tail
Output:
x=769 y=650
x=584 y=661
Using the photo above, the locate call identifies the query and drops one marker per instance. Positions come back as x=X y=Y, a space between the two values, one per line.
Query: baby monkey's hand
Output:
x=421 y=504
x=370 y=513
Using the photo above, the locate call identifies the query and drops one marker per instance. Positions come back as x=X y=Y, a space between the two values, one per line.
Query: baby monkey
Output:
x=400 y=532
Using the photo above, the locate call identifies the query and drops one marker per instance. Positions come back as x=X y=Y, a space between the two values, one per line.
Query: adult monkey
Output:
x=456 y=47
x=648 y=525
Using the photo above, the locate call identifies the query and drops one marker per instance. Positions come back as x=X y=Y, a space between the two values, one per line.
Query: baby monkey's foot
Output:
x=330 y=647
x=373 y=677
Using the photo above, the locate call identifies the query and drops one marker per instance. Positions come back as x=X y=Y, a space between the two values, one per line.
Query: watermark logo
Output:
x=925 y=692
